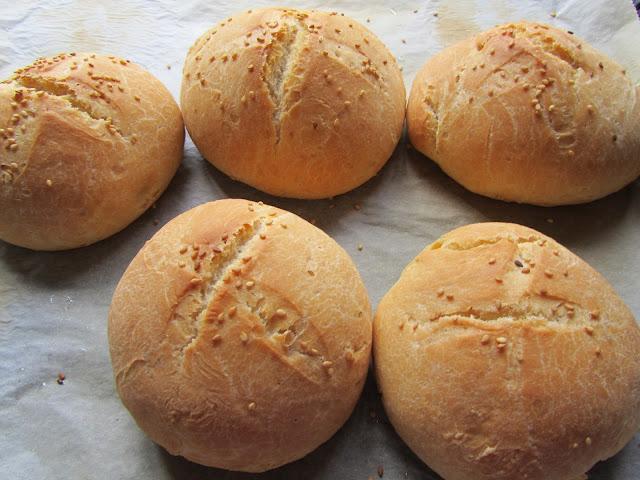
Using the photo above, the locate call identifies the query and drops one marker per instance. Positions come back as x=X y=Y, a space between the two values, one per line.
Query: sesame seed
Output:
x=13 y=147
x=262 y=236
x=250 y=68
x=244 y=338
x=501 y=340
x=498 y=279
x=492 y=260
x=548 y=273
x=518 y=263
x=595 y=314
x=280 y=313
x=587 y=441
x=327 y=363
x=232 y=311
x=440 y=292
x=250 y=284
x=449 y=296
x=136 y=98
x=49 y=182
x=220 y=318
x=589 y=330
x=181 y=264
x=251 y=406
x=485 y=339
x=216 y=339
x=195 y=281
x=526 y=270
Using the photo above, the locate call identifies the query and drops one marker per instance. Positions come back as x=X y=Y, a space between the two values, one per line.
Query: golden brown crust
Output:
x=97 y=140
x=528 y=113
x=240 y=336
x=500 y=354
x=295 y=103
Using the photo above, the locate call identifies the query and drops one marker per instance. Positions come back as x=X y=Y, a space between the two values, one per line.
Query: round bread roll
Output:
x=528 y=113
x=240 y=336
x=294 y=103
x=89 y=142
x=501 y=355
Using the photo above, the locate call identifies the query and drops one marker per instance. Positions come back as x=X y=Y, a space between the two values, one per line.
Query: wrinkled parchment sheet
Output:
x=53 y=306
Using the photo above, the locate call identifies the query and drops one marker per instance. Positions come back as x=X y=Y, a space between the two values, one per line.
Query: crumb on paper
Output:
x=61 y=378
x=360 y=247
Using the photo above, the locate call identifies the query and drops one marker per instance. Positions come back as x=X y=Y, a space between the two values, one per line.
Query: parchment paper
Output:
x=53 y=306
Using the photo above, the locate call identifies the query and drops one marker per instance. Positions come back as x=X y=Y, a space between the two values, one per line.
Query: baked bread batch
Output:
x=240 y=334
x=89 y=143
x=294 y=103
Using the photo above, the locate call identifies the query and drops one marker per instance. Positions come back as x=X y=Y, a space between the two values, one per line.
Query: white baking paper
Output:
x=53 y=306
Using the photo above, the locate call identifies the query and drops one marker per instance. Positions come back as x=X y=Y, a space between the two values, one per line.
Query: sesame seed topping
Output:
x=327 y=363
x=498 y=279
x=589 y=330
x=250 y=284
x=250 y=68
x=244 y=338
x=216 y=339
x=526 y=270
x=280 y=313
x=449 y=296
x=262 y=236
x=548 y=273
x=501 y=340
x=492 y=260
x=251 y=406
x=232 y=311
x=485 y=339
x=136 y=98
x=587 y=441
x=440 y=292
x=595 y=314
x=49 y=182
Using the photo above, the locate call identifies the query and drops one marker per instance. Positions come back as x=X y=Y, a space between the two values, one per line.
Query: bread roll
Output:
x=240 y=336
x=528 y=113
x=501 y=355
x=89 y=142
x=294 y=103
